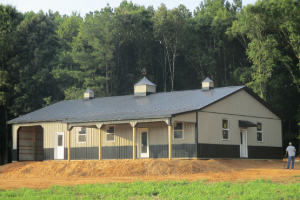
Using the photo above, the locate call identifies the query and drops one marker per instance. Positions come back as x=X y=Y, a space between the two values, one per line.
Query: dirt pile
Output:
x=125 y=168
x=48 y=173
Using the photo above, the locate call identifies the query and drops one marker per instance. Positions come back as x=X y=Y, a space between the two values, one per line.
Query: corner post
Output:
x=69 y=145
x=100 y=147
x=170 y=141
x=134 y=142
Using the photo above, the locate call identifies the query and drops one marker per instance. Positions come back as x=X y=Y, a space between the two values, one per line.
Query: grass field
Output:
x=258 y=189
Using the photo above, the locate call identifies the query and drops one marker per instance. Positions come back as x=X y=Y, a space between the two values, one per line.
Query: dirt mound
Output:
x=48 y=173
x=121 y=168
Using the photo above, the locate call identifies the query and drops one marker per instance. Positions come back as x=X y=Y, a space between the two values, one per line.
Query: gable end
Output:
x=218 y=104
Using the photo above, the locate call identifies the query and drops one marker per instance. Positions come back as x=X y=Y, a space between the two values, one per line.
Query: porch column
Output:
x=170 y=141
x=100 y=147
x=34 y=143
x=69 y=145
x=134 y=142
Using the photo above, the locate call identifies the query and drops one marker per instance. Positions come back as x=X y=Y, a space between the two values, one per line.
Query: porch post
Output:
x=69 y=146
x=34 y=143
x=134 y=142
x=170 y=141
x=100 y=148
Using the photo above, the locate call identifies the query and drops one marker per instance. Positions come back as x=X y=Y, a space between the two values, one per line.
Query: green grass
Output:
x=259 y=189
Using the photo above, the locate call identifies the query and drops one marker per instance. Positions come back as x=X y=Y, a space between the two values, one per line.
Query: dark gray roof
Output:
x=155 y=105
x=88 y=91
x=207 y=80
x=144 y=81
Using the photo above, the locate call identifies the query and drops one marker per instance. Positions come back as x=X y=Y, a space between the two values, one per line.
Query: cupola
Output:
x=88 y=94
x=207 y=84
x=144 y=87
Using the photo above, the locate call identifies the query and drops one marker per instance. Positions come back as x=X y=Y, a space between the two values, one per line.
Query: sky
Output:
x=85 y=6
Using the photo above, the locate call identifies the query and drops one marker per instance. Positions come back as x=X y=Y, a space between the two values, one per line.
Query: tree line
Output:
x=46 y=57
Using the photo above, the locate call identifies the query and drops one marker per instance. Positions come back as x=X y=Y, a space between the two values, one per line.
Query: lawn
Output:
x=258 y=189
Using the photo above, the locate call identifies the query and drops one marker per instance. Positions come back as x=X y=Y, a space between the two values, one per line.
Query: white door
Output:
x=243 y=146
x=59 y=145
x=144 y=143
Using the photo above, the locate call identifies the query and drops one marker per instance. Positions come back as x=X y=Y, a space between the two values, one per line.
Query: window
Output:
x=259 y=132
x=225 y=129
x=110 y=133
x=178 y=130
x=81 y=134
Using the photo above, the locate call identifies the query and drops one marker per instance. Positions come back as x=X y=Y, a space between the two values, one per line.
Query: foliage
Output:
x=258 y=189
x=46 y=57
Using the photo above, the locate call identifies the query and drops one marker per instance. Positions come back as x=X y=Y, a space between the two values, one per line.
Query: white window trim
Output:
x=182 y=131
x=79 y=129
x=110 y=133
x=225 y=129
x=262 y=134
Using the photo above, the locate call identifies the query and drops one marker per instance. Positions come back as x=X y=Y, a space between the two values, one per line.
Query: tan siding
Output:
x=123 y=136
x=123 y=133
x=49 y=129
x=140 y=88
x=189 y=117
x=158 y=132
x=207 y=84
x=49 y=132
x=241 y=103
x=92 y=138
x=188 y=136
x=210 y=130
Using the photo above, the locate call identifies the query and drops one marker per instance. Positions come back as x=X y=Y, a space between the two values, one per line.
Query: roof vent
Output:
x=207 y=84
x=88 y=94
x=144 y=87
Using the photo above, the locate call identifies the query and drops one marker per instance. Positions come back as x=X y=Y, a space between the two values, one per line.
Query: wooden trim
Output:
x=170 y=141
x=69 y=146
x=100 y=146
x=134 y=142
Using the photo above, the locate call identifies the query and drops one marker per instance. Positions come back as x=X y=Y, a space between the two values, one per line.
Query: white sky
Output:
x=85 y=6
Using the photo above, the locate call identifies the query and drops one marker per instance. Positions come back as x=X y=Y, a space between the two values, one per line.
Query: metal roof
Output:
x=207 y=80
x=88 y=91
x=244 y=123
x=144 y=81
x=156 y=105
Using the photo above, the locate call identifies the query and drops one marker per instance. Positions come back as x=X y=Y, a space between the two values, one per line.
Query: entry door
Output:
x=144 y=143
x=243 y=146
x=59 y=144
